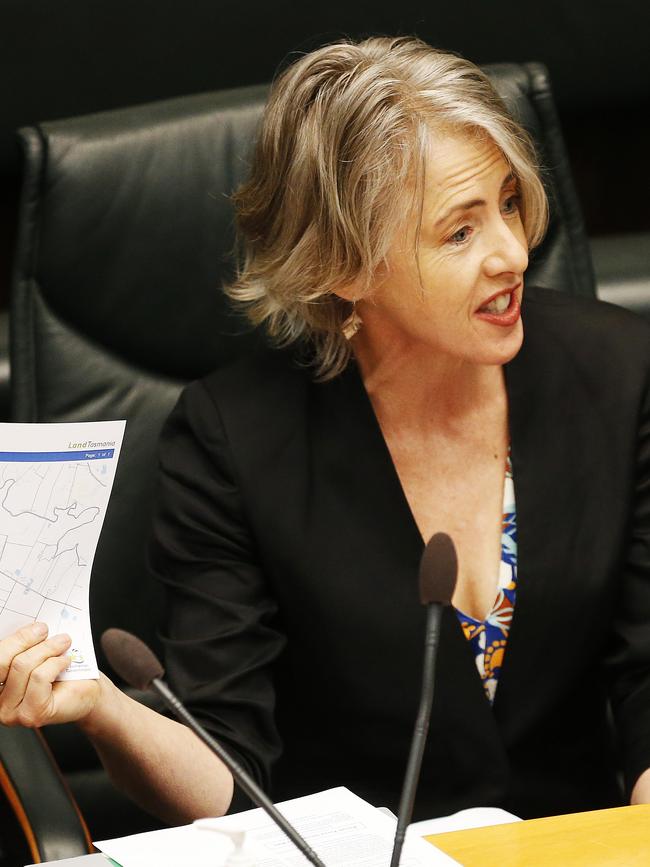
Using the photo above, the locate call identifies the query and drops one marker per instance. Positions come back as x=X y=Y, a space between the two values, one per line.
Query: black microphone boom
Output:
x=138 y=666
x=438 y=572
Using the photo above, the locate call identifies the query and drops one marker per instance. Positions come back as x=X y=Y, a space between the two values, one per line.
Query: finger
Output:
x=73 y=699
x=18 y=642
x=24 y=664
x=38 y=705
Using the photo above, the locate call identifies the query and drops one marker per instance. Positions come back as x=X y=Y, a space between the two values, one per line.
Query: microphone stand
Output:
x=139 y=667
x=239 y=774
x=412 y=776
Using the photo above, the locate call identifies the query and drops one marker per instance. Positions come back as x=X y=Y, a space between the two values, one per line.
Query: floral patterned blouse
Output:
x=489 y=637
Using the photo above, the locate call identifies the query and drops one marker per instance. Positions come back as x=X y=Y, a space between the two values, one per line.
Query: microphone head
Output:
x=438 y=570
x=131 y=658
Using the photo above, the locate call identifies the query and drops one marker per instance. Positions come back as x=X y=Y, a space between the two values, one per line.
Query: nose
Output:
x=507 y=250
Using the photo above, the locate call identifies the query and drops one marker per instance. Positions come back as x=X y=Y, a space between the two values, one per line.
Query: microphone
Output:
x=437 y=579
x=138 y=666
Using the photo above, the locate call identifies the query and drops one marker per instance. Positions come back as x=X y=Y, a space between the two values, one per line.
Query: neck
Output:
x=417 y=384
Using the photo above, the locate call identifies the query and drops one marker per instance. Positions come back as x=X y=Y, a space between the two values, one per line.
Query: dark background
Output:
x=65 y=57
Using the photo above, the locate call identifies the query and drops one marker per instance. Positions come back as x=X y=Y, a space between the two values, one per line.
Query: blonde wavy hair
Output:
x=343 y=138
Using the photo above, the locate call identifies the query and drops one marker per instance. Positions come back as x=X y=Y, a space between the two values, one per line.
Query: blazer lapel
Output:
x=547 y=431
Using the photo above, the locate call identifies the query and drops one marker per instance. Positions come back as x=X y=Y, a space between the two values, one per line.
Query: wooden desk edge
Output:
x=622 y=827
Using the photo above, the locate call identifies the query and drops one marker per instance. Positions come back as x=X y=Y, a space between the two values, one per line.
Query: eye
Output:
x=461 y=235
x=512 y=204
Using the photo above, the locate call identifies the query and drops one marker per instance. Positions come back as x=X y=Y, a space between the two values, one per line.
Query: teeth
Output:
x=498 y=305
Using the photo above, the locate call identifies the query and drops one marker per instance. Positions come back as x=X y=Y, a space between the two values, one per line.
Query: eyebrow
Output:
x=472 y=203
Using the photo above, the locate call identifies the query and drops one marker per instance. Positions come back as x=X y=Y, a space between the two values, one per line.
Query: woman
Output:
x=386 y=227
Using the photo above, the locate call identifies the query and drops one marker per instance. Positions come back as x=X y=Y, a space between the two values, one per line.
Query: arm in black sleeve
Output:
x=629 y=661
x=219 y=634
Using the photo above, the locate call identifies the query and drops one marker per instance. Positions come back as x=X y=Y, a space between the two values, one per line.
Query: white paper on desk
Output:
x=55 y=483
x=475 y=817
x=80 y=861
x=343 y=829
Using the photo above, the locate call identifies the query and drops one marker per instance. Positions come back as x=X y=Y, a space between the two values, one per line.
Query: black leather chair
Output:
x=622 y=265
x=125 y=239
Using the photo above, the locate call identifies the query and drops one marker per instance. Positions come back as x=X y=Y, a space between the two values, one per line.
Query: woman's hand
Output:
x=30 y=695
x=641 y=790
x=137 y=745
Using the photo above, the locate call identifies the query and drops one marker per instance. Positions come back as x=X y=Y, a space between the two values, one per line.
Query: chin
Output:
x=502 y=350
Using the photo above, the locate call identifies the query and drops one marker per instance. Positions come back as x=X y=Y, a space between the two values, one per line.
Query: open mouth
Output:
x=497 y=305
x=502 y=309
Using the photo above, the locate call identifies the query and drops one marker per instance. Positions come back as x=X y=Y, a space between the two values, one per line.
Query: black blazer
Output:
x=290 y=557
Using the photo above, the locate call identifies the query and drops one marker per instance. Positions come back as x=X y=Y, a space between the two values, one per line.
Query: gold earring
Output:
x=352 y=324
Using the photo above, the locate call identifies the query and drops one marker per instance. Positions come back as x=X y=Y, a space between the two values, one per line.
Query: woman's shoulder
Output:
x=262 y=383
x=587 y=326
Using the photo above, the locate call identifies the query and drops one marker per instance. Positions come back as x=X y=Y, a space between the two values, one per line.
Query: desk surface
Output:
x=602 y=838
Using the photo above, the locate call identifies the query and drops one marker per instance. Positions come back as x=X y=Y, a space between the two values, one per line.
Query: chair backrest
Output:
x=125 y=239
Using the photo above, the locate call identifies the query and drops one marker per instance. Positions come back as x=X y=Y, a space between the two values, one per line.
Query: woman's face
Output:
x=460 y=294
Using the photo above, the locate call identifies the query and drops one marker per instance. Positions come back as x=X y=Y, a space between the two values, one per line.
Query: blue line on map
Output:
x=40 y=457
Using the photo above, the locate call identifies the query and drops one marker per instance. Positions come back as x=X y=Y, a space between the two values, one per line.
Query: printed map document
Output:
x=343 y=829
x=55 y=483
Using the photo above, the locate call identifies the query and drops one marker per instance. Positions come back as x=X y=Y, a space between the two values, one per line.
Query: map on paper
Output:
x=55 y=484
